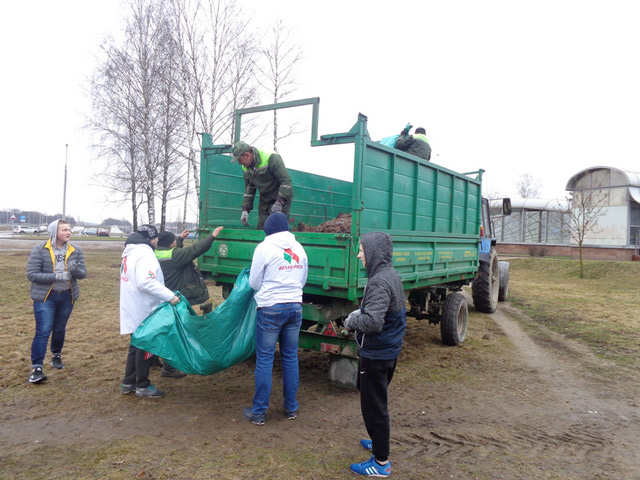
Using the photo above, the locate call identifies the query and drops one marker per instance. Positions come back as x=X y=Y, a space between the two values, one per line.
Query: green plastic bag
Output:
x=202 y=345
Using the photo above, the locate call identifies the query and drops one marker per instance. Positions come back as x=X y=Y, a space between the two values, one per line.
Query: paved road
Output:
x=9 y=243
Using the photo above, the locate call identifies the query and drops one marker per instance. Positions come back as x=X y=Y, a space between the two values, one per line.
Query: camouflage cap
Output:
x=148 y=231
x=238 y=149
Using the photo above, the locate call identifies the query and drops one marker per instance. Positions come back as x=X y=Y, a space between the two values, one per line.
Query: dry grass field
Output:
x=545 y=388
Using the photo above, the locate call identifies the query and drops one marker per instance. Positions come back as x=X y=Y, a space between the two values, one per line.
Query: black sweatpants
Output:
x=374 y=377
x=137 y=370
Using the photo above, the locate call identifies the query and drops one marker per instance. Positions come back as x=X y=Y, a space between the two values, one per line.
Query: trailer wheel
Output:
x=486 y=285
x=503 y=267
x=226 y=290
x=454 y=320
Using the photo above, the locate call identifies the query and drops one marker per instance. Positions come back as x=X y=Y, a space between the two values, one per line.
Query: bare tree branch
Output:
x=528 y=186
x=277 y=76
x=586 y=206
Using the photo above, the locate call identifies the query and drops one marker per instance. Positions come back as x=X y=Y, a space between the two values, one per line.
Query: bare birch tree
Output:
x=586 y=207
x=183 y=67
x=215 y=39
x=114 y=121
x=280 y=57
x=528 y=186
x=143 y=36
x=170 y=130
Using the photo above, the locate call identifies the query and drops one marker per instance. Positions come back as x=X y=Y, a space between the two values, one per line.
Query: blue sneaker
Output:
x=371 y=468
x=255 y=419
x=149 y=392
x=366 y=444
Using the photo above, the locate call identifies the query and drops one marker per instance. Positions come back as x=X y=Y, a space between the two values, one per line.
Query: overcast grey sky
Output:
x=545 y=88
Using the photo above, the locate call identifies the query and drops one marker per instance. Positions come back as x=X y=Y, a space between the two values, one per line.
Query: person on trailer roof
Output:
x=416 y=144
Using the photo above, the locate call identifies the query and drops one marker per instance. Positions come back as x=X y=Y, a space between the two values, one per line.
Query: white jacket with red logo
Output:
x=278 y=270
x=141 y=286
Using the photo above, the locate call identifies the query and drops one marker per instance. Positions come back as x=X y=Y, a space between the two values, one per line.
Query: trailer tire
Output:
x=486 y=285
x=226 y=290
x=503 y=267
x=454 y=320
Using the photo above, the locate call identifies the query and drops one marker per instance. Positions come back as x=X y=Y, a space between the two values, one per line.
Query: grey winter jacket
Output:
x=382 y=320
x=41 y=268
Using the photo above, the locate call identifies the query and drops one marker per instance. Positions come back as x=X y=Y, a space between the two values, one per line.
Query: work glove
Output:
x=73 y=267
x=405 y=132
x=350 y=320
x=244 y=218
x=64 y=276
x=276 y=207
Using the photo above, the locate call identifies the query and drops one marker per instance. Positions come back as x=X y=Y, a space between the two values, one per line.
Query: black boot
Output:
x=169 y=371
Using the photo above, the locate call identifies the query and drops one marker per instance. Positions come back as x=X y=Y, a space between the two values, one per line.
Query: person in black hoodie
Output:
x=181 y=274
x=177 y=265
x=379 y=323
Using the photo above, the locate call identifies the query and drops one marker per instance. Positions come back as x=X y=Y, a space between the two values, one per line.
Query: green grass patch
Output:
x=599 y=310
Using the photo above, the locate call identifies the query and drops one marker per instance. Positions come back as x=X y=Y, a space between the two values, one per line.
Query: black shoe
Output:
x=56 y=362
x=206 y=308
x=155 y=361
x=169 y=371
x=37 y=376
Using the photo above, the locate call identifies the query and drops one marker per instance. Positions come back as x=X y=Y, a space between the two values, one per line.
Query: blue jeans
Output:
x=280 y=322
x=51 y=320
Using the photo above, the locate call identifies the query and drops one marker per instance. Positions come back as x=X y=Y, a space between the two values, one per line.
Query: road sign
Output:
x=23 y=218
x=13 y=217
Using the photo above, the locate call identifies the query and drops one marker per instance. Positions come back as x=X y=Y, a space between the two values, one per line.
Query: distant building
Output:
x=539 y=227
x=533 y=220
x=619 y=224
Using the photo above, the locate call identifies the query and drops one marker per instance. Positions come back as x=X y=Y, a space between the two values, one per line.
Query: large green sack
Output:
x=202 y=345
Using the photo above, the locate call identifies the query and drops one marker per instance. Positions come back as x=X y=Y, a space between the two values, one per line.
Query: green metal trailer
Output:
x=433 y=215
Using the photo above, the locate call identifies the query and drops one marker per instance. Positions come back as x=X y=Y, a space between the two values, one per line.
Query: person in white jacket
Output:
x=278 y=274
x=141 y=291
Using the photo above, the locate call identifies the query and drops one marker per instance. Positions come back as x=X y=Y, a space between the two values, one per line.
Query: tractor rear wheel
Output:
x=486 y=285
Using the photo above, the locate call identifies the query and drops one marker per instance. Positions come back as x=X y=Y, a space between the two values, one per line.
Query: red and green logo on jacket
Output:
x=289 y=256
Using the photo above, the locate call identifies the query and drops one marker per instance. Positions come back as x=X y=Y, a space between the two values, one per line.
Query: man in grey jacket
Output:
x=53 y=268
x=379 y=323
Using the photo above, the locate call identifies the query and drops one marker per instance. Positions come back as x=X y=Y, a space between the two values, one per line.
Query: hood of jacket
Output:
x=378 y=251
x=281 y=239
x=53 y=231
x=137 y=239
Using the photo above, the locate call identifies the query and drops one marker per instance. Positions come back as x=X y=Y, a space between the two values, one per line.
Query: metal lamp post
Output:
x=64 y=195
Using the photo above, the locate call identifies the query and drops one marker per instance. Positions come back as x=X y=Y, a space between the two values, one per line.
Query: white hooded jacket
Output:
x=141 y=286
x=278 y=270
